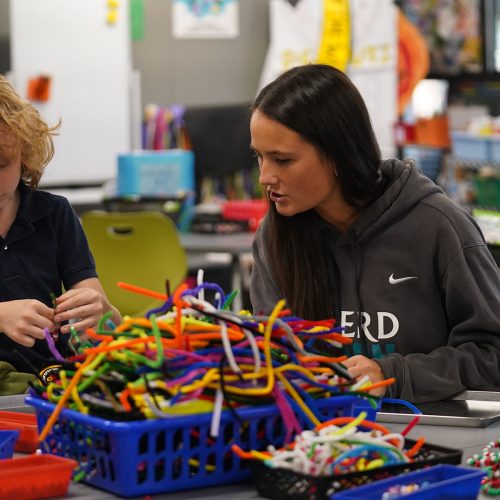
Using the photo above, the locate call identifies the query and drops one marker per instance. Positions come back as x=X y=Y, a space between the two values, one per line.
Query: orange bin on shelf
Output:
x=35 y=476
x=26 y=424
x=433 y=132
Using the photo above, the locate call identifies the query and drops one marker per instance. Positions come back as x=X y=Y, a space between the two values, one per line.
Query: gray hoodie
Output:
x=416 y=289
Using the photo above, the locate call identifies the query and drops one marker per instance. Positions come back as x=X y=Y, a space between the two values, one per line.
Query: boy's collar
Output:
x=34 y=205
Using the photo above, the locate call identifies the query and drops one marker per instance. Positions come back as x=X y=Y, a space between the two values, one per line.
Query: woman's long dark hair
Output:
x=320 y=103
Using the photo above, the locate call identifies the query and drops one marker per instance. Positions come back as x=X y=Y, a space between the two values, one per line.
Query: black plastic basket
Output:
x=284 y=484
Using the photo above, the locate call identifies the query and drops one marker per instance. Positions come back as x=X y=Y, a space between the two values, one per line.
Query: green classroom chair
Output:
x=140 y=248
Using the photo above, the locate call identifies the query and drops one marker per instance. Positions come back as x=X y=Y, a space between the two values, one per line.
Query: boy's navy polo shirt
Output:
x=44 y=250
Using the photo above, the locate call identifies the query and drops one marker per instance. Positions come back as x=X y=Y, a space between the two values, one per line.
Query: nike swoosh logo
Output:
x=394 y=281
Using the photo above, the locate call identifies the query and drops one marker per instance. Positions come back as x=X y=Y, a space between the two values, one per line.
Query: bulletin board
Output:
x=452 y=31
x=85 y=49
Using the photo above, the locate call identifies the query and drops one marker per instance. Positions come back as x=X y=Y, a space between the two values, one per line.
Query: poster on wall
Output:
x=356 y=36
x=197 y=19
x=296 y=30
x=372 y=66
x=452 y=31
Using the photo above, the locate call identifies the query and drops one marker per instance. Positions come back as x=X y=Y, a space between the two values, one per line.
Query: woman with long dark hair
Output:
x=373 y=243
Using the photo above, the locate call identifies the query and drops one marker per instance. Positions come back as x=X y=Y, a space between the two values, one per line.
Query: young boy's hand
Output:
x=85 y=306
x=23 y=321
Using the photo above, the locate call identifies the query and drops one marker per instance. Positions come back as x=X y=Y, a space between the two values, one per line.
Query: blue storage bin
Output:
x=435 y=483
x=7 y=443
x=469 y=147
x=429 y=160
x=156 y=173
x=156 y=456
x=495 y=149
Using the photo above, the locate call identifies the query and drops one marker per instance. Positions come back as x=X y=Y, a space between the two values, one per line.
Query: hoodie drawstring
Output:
x=357 y=255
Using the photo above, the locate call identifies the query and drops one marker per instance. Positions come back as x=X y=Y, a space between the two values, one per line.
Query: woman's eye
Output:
x=282 y=161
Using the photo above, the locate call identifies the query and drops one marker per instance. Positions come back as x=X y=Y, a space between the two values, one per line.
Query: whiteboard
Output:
x=89 y=61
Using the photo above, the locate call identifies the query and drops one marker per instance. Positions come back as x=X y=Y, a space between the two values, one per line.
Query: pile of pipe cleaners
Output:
x=191 y=356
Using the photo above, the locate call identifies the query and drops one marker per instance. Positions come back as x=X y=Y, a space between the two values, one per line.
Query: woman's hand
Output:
x=84 y=304
x=24 y=320
x=360 y=366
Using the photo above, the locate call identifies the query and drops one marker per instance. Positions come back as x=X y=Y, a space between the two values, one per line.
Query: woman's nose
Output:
x=267 y=176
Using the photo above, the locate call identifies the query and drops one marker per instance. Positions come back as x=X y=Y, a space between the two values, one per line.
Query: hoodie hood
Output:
x=406 y=187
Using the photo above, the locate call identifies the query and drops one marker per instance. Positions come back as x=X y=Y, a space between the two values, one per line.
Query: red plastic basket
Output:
x=26 y=424
x=245 y=210
x=35 y=476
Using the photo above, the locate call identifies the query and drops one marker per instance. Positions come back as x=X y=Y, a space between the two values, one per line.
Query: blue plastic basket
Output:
x=7 y=442
x=155 y=456
x=435 y=483
x=363 y=405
